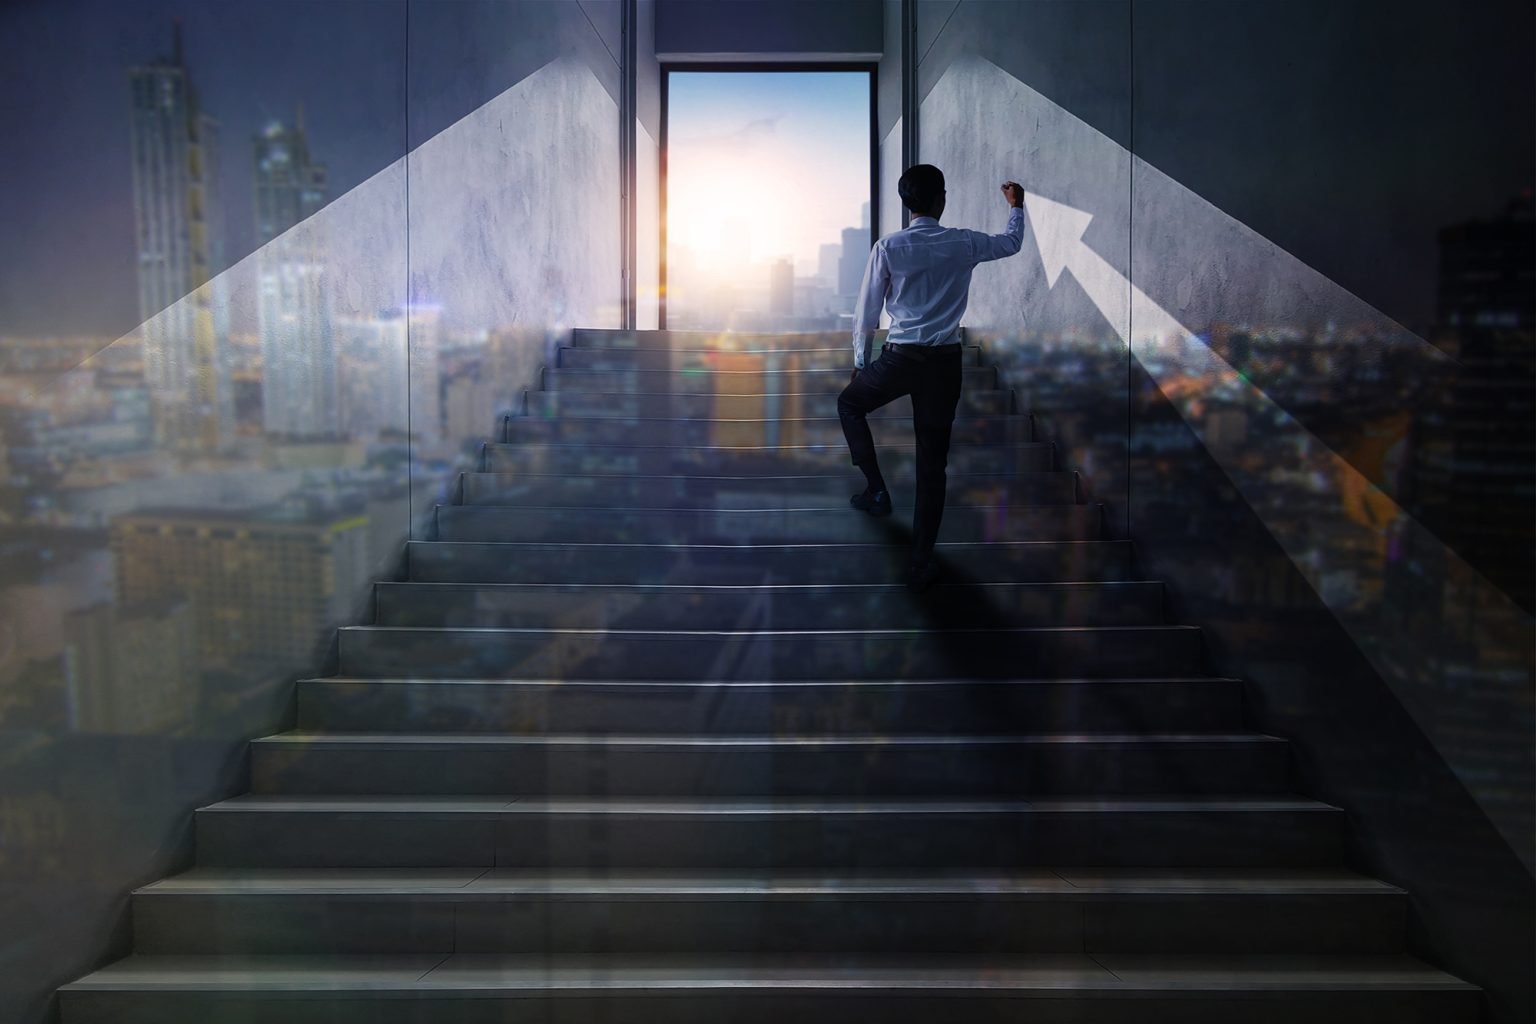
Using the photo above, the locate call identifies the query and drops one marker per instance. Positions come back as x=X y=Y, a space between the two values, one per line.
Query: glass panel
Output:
x=514 y=216
x=198 y=366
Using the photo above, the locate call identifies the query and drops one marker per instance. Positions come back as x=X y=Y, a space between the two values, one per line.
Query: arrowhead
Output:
x=1058 y=232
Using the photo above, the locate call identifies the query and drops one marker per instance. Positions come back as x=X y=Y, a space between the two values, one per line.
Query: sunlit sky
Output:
x=762 y=165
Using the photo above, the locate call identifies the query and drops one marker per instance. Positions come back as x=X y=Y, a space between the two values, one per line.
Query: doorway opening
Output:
x=768 y=195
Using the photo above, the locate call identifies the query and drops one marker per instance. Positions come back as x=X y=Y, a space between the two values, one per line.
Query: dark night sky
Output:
x=66 y=201
x=1389 y=133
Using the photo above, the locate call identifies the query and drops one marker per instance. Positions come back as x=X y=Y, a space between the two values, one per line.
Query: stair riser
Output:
x=838 y=357
x=819 y=525
x=890 y=430
x=682 y=492
x=825 y=383
x=824 y=840
x=908 y=1004
x=987 y=770
x=981 y=708
x=435 y=562
x=1121 y=604
x=621 y=405
x=386 y=653
x=626 y=460
x=979 y=924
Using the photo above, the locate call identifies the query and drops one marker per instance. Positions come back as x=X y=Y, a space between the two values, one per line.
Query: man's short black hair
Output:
x=920 y=187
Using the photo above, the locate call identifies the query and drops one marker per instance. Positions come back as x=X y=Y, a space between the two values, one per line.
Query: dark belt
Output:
x=950 y=348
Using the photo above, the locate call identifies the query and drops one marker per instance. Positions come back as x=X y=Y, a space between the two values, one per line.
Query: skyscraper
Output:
x=174 y=157
x=1471 y=480
x=850 y=268
x=829 y=255
x=298 y=376
x=781 y=288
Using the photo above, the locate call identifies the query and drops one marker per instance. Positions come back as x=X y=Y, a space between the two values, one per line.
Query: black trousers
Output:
x=931 y=375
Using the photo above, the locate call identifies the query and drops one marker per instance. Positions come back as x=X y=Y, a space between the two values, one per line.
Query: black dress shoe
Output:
x=876 y=503
x=922 y=576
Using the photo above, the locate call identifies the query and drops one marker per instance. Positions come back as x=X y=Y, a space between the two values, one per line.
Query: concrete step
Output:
x=390 y=652
x=754 y=525
x=715 y=341
x=276 y=912
x=618 y=403
x=466 y=988
x=622 y=460
x=835 y=357
x=684 y=766
x=826 y=707
x=891 y=427
x=772 y=606
x=777 y=834
x=828 y=490
x=715 y=380
x=759 y=564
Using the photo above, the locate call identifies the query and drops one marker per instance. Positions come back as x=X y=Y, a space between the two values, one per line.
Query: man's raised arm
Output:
x=986 y=247
x=866 y=314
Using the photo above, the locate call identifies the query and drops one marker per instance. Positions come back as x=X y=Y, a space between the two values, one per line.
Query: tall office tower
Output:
x=829 y=255
x=781 y=288
x=864 y=217
x=298 y=353
x=175 y=163
x=373 y=383
x=850 y=268
x=1473 y=451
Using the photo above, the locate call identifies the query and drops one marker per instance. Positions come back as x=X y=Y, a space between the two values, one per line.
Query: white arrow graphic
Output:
x=1270 y=487
x=1059 y=235
x=1058 y=232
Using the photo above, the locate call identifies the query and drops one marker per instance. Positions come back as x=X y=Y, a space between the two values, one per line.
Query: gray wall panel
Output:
x=805 y=28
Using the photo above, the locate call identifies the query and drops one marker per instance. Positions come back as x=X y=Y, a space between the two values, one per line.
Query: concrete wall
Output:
x=888 y=99
x=982 y=125
x=514 y=216
x=647 y=170
x=1249 y=418
x=764 y=29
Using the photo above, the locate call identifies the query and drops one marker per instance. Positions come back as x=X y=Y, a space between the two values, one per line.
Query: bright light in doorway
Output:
x=762 y=166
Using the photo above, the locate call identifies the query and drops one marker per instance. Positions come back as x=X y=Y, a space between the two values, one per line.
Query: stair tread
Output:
x=872 y=632
x=1063 y=882
x=768 y=683
x=1081 y=974
x=750 y=807
x=763 y=479
x=961 y=415
x=822 y=395
x=757 y=588
x=734 y=449
x=309 y=738
x=673 y=545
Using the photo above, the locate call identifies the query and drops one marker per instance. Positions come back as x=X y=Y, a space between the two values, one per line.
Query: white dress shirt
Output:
x=922 y=275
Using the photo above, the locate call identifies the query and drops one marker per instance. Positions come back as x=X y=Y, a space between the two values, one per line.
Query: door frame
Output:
x=872 y=68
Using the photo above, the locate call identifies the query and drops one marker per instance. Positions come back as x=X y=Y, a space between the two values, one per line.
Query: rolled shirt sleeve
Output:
x=986 y=247
x=866 y=313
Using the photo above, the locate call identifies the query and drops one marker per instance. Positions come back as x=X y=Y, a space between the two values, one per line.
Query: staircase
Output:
x=651 y=733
